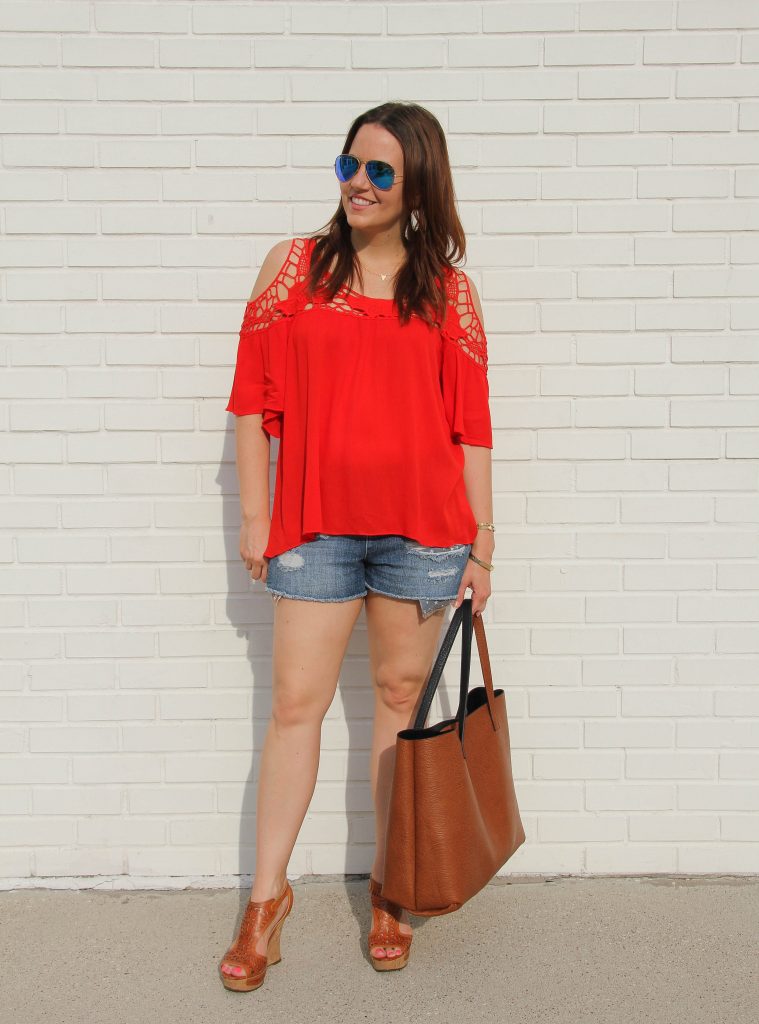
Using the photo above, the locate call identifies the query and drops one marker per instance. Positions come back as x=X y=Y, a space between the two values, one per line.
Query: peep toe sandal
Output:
x=262 y=918
x=385 y=930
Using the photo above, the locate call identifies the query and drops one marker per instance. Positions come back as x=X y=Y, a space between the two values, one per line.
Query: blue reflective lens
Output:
x=379 y=173
x=346 y=166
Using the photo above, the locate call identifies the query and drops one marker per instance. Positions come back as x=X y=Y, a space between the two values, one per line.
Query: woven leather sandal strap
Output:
x=258 y=919
x=253 y=964
x=387 y=934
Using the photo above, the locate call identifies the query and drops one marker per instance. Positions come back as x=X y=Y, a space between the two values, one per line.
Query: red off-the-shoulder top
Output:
x=370 y=415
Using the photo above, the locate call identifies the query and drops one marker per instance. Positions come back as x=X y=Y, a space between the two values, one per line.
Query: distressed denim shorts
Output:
x=343 y=566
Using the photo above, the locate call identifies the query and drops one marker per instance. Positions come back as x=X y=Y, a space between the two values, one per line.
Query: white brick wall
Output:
x=606 y=159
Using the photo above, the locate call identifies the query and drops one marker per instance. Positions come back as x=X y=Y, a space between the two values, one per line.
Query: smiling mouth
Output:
x=360 y=204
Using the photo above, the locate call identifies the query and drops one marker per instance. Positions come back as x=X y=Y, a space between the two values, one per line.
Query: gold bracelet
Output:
x=485 y=565
x=486 y=526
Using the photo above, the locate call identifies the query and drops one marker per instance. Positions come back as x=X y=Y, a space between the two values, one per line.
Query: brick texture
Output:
x=606 y=163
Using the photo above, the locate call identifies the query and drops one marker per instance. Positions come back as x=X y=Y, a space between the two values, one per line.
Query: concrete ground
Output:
x=660 y=949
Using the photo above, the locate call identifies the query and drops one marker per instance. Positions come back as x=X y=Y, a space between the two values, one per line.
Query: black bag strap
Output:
x=462 y=615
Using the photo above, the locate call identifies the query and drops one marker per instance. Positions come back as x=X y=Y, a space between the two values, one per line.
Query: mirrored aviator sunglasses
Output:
x=380 y=174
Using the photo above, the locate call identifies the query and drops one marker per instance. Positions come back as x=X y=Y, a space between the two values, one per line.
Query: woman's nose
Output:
x=360 y=178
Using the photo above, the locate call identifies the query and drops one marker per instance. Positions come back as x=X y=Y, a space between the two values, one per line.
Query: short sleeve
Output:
x=464 y=378
x=259 y=376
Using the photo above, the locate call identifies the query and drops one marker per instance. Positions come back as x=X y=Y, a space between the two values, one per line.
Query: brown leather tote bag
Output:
x=453 y=817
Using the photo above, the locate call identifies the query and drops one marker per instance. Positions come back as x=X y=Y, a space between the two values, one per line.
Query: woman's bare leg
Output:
x=402 y=646
x=310 y=640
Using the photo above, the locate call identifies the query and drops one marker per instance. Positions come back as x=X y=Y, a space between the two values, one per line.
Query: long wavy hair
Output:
x=431 y=230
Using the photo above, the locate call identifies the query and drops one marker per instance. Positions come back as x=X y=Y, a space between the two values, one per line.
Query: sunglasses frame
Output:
x=366 y=164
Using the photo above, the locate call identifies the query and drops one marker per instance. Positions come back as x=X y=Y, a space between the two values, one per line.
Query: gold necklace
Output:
x=375 y=272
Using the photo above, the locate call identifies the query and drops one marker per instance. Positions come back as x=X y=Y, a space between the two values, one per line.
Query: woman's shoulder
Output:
x=282 y=272
x=464 y=294
x=464 y=323
x=286 y=261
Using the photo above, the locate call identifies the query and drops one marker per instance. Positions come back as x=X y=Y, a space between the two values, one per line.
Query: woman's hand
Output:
x=478 y=579
x=254 y=536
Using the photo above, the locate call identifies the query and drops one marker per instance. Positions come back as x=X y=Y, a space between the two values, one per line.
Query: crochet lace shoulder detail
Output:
x=464 y=326
x=276 y=300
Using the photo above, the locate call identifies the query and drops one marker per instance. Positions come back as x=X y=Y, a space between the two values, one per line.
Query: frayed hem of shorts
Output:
x=405 y=597
x=440 y=603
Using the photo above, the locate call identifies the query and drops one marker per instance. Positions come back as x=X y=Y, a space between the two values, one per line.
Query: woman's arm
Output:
x=478 y=481
x=252 y=443
x=252 y=454
x=478 y=475
x=478 y=478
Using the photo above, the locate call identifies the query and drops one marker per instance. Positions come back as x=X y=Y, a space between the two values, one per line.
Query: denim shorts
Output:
x=343 y=566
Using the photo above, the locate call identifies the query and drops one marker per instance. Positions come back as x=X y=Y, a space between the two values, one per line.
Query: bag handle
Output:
x=471 y=623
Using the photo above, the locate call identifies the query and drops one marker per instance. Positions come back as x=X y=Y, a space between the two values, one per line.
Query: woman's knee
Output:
x=293 y=707
x=397 y=690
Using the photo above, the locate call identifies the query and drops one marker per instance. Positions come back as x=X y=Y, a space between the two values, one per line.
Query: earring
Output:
x=414 y=220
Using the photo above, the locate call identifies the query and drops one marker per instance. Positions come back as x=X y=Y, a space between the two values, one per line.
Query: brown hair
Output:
x=432 y=239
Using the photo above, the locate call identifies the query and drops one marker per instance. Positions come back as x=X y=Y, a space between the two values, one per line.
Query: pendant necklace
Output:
x=375 y=272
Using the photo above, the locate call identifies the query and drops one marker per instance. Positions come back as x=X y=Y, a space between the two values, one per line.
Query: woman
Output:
x=377 y=389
